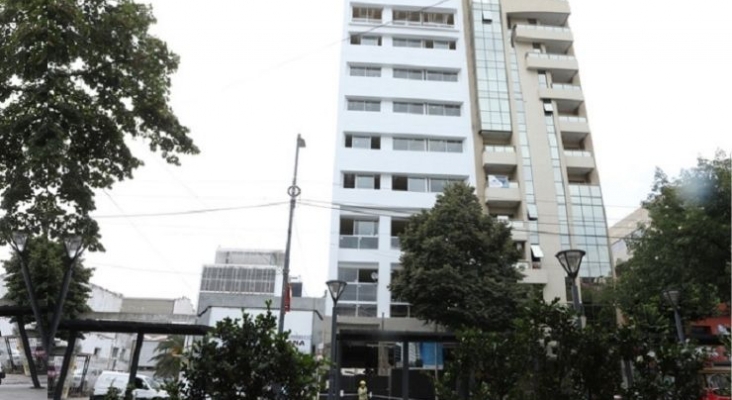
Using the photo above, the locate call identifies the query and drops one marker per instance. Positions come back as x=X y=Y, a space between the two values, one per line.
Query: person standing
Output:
x=363 y=391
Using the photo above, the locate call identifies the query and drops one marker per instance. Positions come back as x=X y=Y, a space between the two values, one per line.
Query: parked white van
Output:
x=145 y=387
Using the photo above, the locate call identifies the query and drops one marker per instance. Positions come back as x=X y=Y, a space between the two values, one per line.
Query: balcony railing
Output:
x=546 y=28
x=577 y=153
x=367 y=20
x=359 y=292
x=570 y=118
x=504 y=185
x=359 y=242
x=564 y=86
x=545 y=56
x=500 y=149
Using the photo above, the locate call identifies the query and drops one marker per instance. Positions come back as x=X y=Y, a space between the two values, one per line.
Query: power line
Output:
x=189 y=212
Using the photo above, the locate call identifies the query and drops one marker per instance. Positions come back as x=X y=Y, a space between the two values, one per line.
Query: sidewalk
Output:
x=20 y=387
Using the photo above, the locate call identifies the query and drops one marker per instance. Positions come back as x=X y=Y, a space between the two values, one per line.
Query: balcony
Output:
x=532 y=275
x=359 y=242
x=501 y=193
x=546 y=12
x=579 y=162
x=359 y=292
x=499 y=159
x=519 y=232
x=563 y=67
x=557 y=39
x=574 y=129
x=567 y=97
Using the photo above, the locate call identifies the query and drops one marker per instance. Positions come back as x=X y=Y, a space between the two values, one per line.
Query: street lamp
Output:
x=672 y=298
x=336 y=289
x=571 y=261
x=293 y=191
x=17 y=242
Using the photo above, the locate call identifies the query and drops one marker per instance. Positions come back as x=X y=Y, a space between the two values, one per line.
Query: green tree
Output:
x=78 y=80
x=168 y=357
x=663 y=368
x=543 y=355
x=46 y=261
x=248 y=359
x=457 y=264
x=686 y=244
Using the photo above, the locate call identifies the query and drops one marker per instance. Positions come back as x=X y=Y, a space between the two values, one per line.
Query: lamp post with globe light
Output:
x=571 y=261
x=336 y=288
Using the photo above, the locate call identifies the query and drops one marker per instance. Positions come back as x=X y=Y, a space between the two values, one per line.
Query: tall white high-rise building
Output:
x=486 y=92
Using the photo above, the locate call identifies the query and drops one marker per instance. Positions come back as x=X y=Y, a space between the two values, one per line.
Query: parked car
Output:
x=145 y=387
x=716 y=383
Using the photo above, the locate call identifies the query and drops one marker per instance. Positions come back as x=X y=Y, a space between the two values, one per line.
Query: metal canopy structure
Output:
x=404 y=337
x=20 y=312
x=74 y=327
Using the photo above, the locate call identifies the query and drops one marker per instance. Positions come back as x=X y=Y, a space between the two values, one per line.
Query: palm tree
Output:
x=168 y=357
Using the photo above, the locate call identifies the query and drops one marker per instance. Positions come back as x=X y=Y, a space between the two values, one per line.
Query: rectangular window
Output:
x=436 y=145
x=361 y=181
x=365 y=71
x=443 y=109
x=422 y=43
x=414 y=74
x=416 y=184
x=402 y=42
x=363 y=142
x=366 y=14
x=406 y=17
x=364 y=105
x=360 y=40
x=399 y=183
x=441 y=76
x=403 y=17
x=408 y=108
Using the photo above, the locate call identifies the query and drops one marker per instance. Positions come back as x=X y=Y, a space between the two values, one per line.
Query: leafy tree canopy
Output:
x=686 y=245
x=247 y=359
x=47 y=261
x=457 y=264
x=78 y=78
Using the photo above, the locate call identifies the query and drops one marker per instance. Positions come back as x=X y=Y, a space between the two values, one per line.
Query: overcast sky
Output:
x=657 y=76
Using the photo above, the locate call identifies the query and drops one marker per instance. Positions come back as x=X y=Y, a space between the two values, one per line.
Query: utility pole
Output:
x=293 y=191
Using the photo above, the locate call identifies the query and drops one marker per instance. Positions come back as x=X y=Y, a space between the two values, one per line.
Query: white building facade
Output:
x=485 y=92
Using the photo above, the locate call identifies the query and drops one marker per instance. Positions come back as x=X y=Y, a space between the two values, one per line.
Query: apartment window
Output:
x=408 y=108
x=438 y=145
x=365 y=71
x=443 y=109
x=360 y=40
x=410 y=144
x=414 y=74
x=441 y=76
x=364 y=105
x=401 y=42
x=420 y=184
x=398 y=226
x=430 y=75
x=403 y=17
x=366 y=14
x=424 y=43
x=361 y=181
x=363 y=142
x=359 y=227
x=440 y=44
